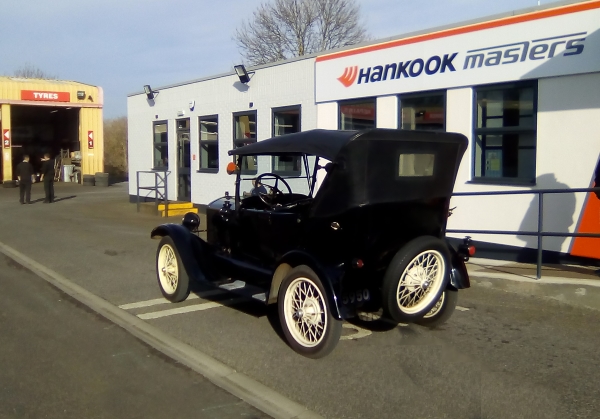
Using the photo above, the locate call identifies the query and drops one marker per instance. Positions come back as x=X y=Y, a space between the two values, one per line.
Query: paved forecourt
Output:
x=501 y=353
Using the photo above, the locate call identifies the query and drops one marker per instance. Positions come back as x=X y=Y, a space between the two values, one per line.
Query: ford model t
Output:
x=345 y=222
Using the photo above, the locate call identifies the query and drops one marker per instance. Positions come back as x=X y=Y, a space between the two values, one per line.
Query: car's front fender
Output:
x=330 y=277
x=191 y=248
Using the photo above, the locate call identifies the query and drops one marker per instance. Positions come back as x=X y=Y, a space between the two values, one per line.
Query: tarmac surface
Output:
x=93 y=245
x=61 y=360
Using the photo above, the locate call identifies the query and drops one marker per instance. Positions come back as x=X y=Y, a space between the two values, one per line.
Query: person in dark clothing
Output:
x=48 y=177
x=26 y=178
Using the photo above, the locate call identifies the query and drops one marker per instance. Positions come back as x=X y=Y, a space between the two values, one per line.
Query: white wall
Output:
x=281 y=85
x=568 y=144
x=327 y=115
x=387 y=111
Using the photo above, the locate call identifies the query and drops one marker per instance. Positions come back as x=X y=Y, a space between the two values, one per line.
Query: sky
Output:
x=121 y=45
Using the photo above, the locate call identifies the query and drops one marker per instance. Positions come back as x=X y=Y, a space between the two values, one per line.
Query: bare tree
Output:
x=29 y=71
x=115 y=147
x=290 y=28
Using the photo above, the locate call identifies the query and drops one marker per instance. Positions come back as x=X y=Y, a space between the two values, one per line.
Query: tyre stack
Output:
x=89 y=180
x=101 y=179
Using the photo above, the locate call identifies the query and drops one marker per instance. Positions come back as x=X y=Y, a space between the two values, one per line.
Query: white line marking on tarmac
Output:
x=158 y=301
x=360 y=332
x=189 y=309
x=459 y=308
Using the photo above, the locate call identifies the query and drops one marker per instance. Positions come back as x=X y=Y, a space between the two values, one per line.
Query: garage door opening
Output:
x=43 y=129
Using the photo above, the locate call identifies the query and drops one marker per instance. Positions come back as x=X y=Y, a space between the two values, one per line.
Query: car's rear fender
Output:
x=329 y=277
x=459 y=277
x=191 y=248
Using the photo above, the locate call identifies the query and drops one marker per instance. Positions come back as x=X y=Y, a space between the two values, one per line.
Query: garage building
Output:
x=524 y=87
x=39 y=116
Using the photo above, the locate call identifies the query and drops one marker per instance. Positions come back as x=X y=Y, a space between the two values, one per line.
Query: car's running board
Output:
x=245 y=290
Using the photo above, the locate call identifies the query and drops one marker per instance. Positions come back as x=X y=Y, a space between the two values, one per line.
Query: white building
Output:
x=524 y=88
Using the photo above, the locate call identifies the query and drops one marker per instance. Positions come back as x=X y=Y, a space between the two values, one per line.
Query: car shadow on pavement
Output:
x=248 y=306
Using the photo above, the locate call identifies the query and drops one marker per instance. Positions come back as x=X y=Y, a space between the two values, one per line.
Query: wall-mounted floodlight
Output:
x=149 y=92
x=242 y=73
x=80 y=94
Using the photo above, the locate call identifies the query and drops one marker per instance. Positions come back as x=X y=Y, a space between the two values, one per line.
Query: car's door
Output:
x=267 y=235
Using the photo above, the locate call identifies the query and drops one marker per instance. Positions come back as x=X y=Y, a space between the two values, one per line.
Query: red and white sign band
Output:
x=45 y=96
x=6 y=138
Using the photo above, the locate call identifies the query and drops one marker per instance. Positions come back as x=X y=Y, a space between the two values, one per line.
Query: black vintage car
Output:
x=356 y=225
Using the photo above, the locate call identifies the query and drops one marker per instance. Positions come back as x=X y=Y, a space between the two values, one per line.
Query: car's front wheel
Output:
x=415 y=279
x=305 y=315
x=172 y=278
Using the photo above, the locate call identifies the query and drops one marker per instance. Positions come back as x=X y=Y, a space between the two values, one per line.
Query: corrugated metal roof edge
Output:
x=380 y=41
x=14 y=79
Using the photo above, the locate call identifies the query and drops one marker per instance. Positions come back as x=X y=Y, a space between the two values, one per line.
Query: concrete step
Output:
x=176 y=205
x=177 y=211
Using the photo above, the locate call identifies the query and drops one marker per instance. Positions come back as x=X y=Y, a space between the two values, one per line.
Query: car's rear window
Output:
x=411 y=165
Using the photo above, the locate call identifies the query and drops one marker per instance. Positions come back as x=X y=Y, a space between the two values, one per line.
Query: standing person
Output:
x=48 y=178
x=26 y=178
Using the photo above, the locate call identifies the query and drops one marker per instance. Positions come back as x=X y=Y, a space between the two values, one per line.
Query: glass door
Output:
x=184 y=192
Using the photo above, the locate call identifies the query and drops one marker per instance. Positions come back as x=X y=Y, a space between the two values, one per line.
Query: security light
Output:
x=242 y=73
x=80 y=94
x=149 y=92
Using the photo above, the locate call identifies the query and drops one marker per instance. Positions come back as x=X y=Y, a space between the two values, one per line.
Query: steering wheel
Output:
x=268 y=198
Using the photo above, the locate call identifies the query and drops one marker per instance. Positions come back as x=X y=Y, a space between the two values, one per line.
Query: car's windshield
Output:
x=288 y=174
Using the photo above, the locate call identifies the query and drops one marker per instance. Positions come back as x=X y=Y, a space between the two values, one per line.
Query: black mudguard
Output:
x=330 y=278
x=459 y=277
x=193 y=251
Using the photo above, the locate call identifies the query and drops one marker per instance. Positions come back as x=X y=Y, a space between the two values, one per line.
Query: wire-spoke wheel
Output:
x=305 y=316
x=415 y=279
x=171 y=275
x=441 y=311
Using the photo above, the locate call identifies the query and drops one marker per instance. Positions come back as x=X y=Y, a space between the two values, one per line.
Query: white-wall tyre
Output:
x=172 y=278
x=415 y=279
x=305 y=315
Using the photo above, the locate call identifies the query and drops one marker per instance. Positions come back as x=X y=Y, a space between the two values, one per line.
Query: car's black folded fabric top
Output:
x=316 y=142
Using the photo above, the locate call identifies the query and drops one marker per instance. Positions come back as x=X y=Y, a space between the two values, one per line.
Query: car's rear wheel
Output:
x=441 y=311
x=305 y=315
x=172 y=278
x=415 y=279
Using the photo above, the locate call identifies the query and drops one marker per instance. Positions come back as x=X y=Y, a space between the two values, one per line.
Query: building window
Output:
x=505 y=133
x=357 y=115
x=209 y=143
x=286 y=121
x=245 y=133
x=161 y=145
x=425 y=111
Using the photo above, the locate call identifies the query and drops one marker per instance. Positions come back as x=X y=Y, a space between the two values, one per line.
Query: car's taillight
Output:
x=471 y=250
x=466 y=249
x=357 y=263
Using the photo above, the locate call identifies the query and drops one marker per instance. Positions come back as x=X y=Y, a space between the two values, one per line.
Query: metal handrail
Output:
x=160 y=182
x=539 y=233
